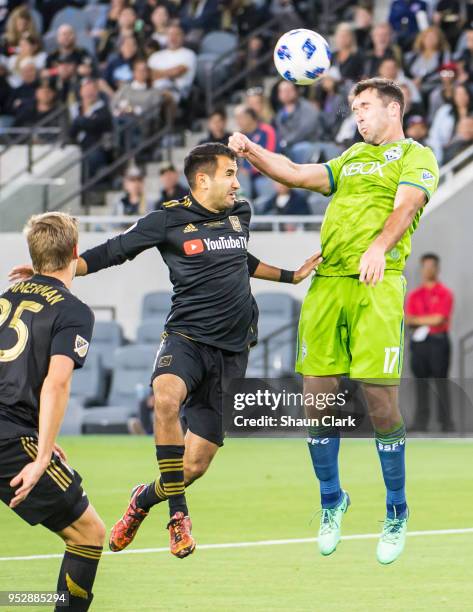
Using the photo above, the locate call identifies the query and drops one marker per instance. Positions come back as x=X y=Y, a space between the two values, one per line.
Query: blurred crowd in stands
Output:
x=94 y=68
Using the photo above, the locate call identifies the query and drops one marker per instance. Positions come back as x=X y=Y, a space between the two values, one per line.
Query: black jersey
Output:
x=38 y=318
x=206 y=254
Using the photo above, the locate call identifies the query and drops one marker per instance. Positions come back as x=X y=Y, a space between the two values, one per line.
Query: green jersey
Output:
x=364 y=181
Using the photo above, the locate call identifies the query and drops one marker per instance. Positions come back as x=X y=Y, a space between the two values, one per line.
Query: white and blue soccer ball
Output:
x=302 y=56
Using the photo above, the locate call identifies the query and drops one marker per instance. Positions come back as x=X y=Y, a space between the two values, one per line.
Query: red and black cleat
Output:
x=124 y=530
x=181 y=541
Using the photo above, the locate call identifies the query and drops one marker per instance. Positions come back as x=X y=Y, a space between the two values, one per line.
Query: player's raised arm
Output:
x=263 y=271
x=147 y=233
x=280 y=168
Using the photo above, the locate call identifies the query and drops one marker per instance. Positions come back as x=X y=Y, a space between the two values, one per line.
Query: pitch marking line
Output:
x=359 y=536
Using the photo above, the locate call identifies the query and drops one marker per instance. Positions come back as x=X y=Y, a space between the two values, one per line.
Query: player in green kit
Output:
x=352 y=318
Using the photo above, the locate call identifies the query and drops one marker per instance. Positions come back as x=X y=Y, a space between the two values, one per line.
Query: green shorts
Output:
x=349 y=328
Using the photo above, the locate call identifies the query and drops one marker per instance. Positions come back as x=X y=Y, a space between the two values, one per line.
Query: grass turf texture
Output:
x=265 y=490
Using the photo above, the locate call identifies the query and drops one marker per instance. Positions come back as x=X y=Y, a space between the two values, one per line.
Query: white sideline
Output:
x=359 y=536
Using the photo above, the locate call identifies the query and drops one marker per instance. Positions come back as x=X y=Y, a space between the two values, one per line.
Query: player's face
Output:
x=224 y=185
x=373 y=117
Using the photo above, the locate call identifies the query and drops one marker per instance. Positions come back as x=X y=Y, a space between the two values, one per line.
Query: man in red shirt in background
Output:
x=428 y=313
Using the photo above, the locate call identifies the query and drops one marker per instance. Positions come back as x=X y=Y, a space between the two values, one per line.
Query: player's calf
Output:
x=84 y=544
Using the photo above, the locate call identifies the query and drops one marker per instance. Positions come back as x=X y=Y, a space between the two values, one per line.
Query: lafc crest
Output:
x=235 y=221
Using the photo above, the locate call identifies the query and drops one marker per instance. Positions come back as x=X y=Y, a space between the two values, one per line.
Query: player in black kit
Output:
x=213 y=321
x=44 y=334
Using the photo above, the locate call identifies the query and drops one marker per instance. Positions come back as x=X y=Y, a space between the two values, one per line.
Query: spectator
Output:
x=446 y=119
x=256 y=100
x=448 y=18
x=29 y=47
x=25 y=92
x=119 y=69
x=411 y=109
x=286 y=202
x=466 y=56
x=443 y=93
x=138 y=96
x=390 y=69
x=91 y=121
x=171 y=187
x=160 y=21
x=128 y=25
x=347 y=58
x=333 y=105
x=174 y=68
x=287 y=14
x=144 y=424
x=297 y=123
x=217 y=128
x=19 y=22
x=66 y=40
x=253 y=183
x=255 y=49
x=383 y=48
x=65 y=79
x=462 y=140
x=430 y=52
x=133 y=200
x=428 y=314
x=404 y=17
x=32 y=112
x=363 y=23
x=417 y=129
x=199 y=17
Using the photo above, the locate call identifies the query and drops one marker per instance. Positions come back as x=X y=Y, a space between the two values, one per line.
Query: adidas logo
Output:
x=190 y=228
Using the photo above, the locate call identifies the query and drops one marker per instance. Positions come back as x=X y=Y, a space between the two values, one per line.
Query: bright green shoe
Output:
x=330 y=526
x=392 y=540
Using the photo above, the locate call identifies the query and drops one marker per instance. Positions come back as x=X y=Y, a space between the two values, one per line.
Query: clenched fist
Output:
x=240 y=144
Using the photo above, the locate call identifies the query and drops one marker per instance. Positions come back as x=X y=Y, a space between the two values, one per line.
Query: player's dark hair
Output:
x=221 y=112
x=432 y=256
x=204 y=158
x=387 y=90
x=51 y=240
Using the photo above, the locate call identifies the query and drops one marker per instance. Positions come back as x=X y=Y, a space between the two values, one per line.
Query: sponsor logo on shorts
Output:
x=394 y=254
x=164 y=361
x=235 y=221
x=193 y=247
x=81 y=346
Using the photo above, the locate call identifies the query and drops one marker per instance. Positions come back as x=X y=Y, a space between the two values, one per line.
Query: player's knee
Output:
x=99 y=532
x=166 y=406
x=194 y=468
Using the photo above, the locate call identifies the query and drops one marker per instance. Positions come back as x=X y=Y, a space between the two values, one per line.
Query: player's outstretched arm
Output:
x=409 y=200
x=259 y=269
x=53 y=401
x=305 y=176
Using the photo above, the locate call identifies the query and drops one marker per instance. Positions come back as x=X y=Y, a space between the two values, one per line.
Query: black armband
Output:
x=253 y=263
x=287 y=276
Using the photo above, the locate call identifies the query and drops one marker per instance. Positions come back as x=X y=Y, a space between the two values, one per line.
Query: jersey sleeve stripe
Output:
x=330 y=176
x=426 y=191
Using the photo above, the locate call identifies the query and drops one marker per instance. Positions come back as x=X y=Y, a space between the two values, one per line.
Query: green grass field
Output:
x=264 y=490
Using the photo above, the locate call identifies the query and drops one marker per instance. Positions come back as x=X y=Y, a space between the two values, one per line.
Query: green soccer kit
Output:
x=347 y=327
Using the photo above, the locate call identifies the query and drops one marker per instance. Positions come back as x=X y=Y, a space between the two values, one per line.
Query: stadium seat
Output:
x=50 y=41
x=130 y=380
x=70 y=16
x=156 y=305
x=92 y=12
x=213 y=46
x=107 y=337
x=278 y=317
x=88 y=383
x=149 y=332
x=85 y=41
x=37 y=19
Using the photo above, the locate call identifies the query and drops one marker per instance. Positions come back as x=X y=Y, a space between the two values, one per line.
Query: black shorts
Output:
x=206 y=371
x=56 y=501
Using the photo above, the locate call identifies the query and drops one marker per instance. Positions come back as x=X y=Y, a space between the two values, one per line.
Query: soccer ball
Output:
x=302 y=56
